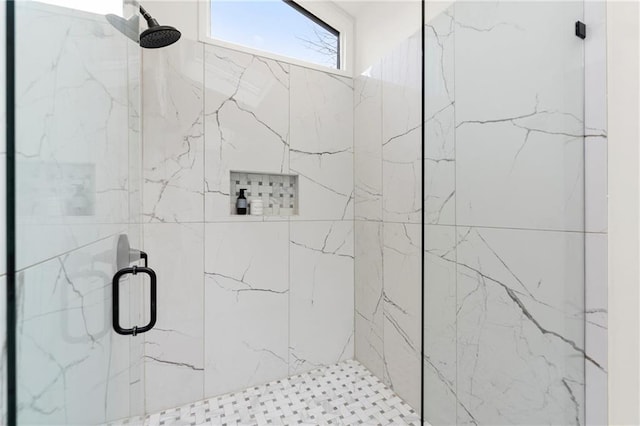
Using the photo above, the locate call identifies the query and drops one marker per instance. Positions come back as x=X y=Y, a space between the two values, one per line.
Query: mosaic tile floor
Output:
x=341 y=394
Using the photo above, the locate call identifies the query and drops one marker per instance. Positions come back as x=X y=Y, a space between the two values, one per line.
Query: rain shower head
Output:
x=154 y=37
x=157 y=35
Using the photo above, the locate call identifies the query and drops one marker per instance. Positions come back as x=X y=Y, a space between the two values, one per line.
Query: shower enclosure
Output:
x=515 y=214
x=437 y=213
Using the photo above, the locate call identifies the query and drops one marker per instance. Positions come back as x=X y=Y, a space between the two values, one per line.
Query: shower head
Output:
x=157 y=35
x=154 y=37
x=128 y=27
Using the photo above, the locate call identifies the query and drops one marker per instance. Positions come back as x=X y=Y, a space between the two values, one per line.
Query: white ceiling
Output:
x=352 y=7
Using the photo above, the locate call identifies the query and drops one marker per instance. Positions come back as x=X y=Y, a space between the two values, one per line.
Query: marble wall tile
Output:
x=369 y=297
x=440 y=325
x=494 y=45
x=595 y=115
x=247 y=124
x=246 y=121
x=134 y=311
x=72 y=368
x=322 y=143
x=135 y=230
x=388 y=183
x=440 y=168
x=247 y=305
x=368 y=144
x=498 y=164
x=322 y=294
x=596 y=328
x=74 y=110
x=402 y=254
x=401 y=134
x=61 y=108
x=174 y=348
x=534 y=121
x=136 y=170
x=520 y=327
x=595 y=183
x=439 y=62
x=72 y=129
x=173 y=133
x=596 y=218
x=136 y=293
x=439 y=152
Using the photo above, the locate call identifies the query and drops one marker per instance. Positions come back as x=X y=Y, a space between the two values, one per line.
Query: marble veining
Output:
x=368 y=144
x=322 y=292
x=322 y=143
x=77 y=107
x=401 y=136
x=64 y=329
x=246 y=331
x=246 y=121
x=507 y=185
x=388 y=185
x=402 y=307
x=369 y=280
x=173 y=350
x=537 y=120
x=439 y=123
x=231 y=111
x=533 y=315
x=173 y=132
x=72 y=112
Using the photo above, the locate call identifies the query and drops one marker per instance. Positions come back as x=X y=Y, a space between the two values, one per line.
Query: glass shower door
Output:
x=78 y=190
x=504 y=255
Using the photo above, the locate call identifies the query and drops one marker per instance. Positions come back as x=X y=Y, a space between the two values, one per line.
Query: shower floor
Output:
x=341 y=394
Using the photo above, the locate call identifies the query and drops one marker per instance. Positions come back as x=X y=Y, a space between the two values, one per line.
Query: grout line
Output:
x=455 y=210
x=381 y=210
x=204 y=223
x=289 y=328
x=462 y=225
x=353 y=217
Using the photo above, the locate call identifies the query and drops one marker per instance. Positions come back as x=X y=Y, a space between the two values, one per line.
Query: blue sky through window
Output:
x=273 y=26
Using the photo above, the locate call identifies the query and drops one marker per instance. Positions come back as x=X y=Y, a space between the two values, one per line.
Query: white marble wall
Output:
x=515 y=217
x=244 y=300
x=388 y=191
x=439 y=393
x=505 y=312
x=77 y=131
x=596 y=167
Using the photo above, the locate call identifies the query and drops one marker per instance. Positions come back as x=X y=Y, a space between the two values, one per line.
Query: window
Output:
x=277 y=26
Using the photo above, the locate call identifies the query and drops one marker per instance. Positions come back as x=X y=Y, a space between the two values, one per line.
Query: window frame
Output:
x=324 y=13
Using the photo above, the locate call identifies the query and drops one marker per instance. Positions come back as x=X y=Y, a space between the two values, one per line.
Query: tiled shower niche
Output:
x=279 y=193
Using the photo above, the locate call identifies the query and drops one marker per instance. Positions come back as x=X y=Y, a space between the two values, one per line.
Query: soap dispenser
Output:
x=241 y=203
